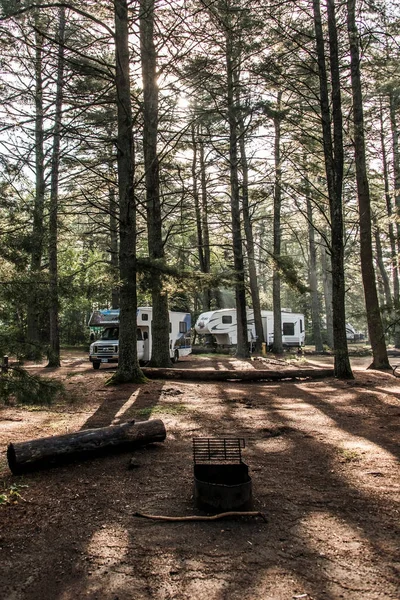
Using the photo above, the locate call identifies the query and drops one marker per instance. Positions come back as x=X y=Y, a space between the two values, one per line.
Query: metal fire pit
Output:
x=221 y=480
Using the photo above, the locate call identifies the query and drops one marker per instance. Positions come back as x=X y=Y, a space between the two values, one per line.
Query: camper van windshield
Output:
x=111 y=333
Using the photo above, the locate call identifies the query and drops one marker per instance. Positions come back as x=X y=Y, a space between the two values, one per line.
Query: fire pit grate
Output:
x=221 y=479
x=211 y=450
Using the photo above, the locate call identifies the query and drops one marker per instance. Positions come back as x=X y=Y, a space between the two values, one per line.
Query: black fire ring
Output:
x=221 y=480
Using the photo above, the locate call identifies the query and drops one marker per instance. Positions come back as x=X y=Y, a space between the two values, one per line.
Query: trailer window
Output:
x=182 y=327
x=227 y=319
x=301 y=326
x=288 y=328
x=139 y=334
x=145 y=317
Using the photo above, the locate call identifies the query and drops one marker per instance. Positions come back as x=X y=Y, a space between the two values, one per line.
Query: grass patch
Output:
x=166 y=409
x=347 y=456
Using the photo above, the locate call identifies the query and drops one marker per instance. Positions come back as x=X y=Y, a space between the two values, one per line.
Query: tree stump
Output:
x=60 y=449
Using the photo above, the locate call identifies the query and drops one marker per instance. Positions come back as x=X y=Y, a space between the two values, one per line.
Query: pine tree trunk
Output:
x=203 y=252
x=240 y=291
x=327 y=284
x=394 y=239
x=114 y=262
x=381 y=265
x=160 y=356
x=128 y=367
x=277 y=346
x=315 y=303
x=389 y=210
x=333 y=154
x=33 y=310
x=393 y=106
x=375 y=328
x=248 y=229
x=204 y=221
x=54 y=350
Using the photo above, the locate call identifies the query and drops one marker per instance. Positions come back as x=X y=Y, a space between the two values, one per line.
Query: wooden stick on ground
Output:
x=203 y=518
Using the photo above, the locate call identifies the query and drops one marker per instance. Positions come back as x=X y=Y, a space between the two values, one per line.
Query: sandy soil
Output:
x=323 y=457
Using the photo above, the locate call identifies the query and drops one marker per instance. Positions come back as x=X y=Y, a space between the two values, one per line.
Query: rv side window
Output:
x=139 y=334
x=301 y=326
x=145 y=317
x=226 y=319
x=288 y=328
x=182 y=327
x=170 y=327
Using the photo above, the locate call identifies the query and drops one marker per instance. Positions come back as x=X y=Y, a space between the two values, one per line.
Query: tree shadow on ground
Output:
x=330 y=533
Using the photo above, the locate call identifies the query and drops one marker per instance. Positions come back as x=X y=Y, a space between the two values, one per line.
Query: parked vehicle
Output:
x=222 y=324
x=106 y=348
x=352 y=335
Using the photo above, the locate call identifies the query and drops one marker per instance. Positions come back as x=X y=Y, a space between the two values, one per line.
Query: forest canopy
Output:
x=193 y=155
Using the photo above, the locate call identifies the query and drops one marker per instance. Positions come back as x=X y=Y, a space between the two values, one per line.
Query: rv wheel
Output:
x=96 y=365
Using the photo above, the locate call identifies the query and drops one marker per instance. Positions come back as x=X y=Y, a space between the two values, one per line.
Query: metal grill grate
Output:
x=206 y=450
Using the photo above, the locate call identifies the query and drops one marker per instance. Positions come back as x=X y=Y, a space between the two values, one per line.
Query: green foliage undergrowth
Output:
x=11 y=494
x=26 y=388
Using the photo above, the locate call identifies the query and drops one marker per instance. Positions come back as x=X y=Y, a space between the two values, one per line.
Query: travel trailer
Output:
x=222 y=325
x=105 y=348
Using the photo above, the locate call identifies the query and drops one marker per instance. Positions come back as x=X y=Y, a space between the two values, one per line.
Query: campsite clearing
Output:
x=323 y=457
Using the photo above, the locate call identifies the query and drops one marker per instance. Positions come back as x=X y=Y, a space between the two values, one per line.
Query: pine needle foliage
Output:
x=17 y=385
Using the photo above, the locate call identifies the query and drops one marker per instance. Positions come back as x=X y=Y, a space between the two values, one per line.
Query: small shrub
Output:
x=11 y=495
x=24 y=388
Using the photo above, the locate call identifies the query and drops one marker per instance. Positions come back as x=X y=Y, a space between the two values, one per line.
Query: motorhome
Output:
x=222 y=324
x=106 y=348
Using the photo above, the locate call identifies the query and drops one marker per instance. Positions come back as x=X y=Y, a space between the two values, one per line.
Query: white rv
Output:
x=222 y=325
x=105 y=348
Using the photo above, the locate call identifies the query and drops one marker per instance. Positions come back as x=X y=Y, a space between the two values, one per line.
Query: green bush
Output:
x=23 y=387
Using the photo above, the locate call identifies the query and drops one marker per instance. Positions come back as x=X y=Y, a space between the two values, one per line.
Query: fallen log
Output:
x=60 y=449
x=240 y=375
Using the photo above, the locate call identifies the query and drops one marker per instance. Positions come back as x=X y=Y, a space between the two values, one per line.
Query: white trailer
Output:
x=106 y=348
x=222 y=324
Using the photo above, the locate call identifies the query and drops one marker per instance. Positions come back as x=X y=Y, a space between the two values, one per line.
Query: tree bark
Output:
x=315 y=303
x=33 y=310
x=59 y=449
x=375 y=328
x=54 y=349
x=160 y=355
x=248 y=230
x=128 y=367
x=333 y=154
x=394 y=239
x=277 y=345
x=114 y=262
x=208 y=295
x=240 y=290
x=381 y=265
x=393 y=106
x=253 y=375
x=389 y=211
x=200 y=207
x=327 y=284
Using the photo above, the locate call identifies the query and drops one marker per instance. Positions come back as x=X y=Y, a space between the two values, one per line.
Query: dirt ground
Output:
x=323 y=457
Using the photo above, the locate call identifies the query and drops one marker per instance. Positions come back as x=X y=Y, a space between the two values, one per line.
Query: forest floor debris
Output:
x=323 y=456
